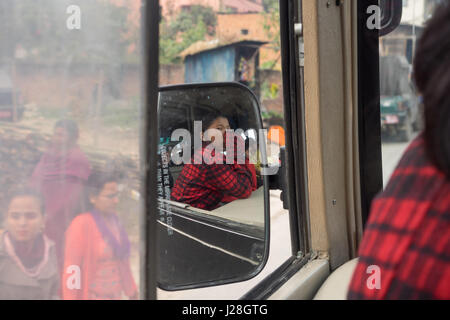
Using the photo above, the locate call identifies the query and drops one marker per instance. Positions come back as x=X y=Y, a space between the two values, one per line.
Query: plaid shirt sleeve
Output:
x=232 y=180
x=405 y=251
x=204 y=186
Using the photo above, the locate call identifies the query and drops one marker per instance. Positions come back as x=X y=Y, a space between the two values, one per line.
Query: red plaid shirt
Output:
x=407 y=235
x=205 y=186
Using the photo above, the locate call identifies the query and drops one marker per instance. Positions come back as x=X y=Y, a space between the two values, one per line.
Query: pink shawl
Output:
x=60 y=177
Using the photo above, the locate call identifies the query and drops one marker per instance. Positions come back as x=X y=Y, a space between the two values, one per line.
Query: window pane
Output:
x=401 y=108
x=70 y=105
x=222 y=41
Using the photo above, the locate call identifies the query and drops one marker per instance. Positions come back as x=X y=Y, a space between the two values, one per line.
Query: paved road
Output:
x=391 y=152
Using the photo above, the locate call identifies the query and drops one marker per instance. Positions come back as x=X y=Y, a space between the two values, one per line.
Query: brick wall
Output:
x=76 y=89
x=61 y=87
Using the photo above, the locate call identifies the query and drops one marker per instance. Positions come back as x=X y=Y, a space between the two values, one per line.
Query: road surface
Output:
x=391 y=152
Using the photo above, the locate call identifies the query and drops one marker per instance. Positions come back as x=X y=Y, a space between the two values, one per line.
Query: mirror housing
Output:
x=279 y=181
x=225 y=243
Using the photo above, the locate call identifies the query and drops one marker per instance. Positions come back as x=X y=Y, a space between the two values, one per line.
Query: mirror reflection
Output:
x=211 y=151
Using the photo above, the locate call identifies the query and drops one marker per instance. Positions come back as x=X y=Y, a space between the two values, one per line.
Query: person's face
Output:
x=108 y=198
x=61 y=137
x=24 y=219
x=221 y=124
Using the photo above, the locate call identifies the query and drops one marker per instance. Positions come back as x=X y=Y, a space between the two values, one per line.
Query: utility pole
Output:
x=414 y=30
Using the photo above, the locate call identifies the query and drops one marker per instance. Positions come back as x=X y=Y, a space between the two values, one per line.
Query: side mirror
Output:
x=213 y=193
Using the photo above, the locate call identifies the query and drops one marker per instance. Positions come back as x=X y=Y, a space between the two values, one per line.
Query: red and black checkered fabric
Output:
x=408 y=234
x=206 y=185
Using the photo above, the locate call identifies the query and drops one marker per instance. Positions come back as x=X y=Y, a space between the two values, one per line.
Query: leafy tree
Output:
x=39 y=28
x=188 y=27
x=269 y=5
x=271 y=27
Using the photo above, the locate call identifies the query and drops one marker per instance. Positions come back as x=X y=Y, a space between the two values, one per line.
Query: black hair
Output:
x=98 y=179
x=209 y=117
x=26 y=192
x=70 y=126
x=432 y=78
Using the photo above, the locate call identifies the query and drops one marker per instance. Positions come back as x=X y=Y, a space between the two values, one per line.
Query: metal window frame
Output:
x=369 y=132
x=149 y=130
x=294 y=112
x=371 y=171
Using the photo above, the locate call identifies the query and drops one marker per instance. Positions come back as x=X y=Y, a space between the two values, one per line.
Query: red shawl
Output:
x=60 y=178
x=84 y=246
x=408 y=235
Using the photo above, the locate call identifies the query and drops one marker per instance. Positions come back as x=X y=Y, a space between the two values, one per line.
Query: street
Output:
x=392 y=152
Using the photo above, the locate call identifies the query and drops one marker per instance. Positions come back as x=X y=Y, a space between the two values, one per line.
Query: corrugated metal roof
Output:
x=202 y=46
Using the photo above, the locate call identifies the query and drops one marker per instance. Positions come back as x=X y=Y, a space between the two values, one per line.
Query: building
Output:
x=417 y=12
x=402 y=41
x=171 y=7
x=216 y=61
x=251 y=26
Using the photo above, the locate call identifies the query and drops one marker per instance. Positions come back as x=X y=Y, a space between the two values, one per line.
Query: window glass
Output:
x=223 y=41
x=70 y=104
x=401 y=107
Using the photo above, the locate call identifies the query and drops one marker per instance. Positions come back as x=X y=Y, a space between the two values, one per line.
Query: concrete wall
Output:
x=61 y=87
x=76 y=89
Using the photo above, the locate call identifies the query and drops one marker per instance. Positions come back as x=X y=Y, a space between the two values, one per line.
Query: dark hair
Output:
x=98 y=179
x=26 y=192
x=70 y=126
x=432 y=78
x=209 y=117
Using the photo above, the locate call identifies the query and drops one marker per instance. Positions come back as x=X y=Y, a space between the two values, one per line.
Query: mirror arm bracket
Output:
x=279 y=180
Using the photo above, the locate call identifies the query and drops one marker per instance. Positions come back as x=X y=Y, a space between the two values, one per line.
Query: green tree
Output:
x=269 y=5
x=188 y=27
x=39 y=27
x=271 y=27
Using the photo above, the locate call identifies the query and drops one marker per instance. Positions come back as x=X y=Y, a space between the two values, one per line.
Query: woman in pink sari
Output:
x=60 y=176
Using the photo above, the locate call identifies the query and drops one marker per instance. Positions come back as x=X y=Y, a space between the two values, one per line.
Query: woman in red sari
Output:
x=96 y=263
x=60 y=176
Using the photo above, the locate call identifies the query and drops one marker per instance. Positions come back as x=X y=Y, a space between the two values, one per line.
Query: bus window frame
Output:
x=149 y=130
x=371 y=171
x=369 y=142
x=293 y=92
x=369 y=130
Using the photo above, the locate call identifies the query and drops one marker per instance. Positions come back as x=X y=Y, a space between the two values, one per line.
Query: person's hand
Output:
x=237 y=144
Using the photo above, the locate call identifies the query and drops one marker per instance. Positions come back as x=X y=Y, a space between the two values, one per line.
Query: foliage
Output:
x=271 y=27
x=188 y=27
x=39 y=28
x=271 y=115
x=269 y=5
x=269 y=91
